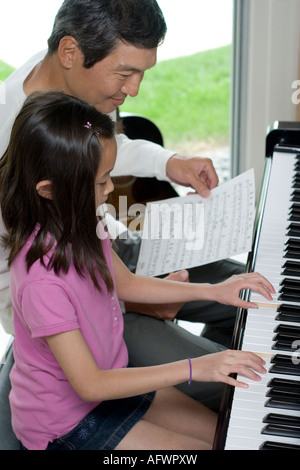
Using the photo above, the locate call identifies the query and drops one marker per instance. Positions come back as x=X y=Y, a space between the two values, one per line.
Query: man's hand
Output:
x=196 y=172
x=161 y=311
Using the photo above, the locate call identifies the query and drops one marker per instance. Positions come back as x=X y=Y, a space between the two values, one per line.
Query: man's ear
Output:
x=67 y=48
x=44 y=189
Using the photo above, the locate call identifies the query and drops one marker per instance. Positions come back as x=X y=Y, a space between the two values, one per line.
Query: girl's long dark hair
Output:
x=49 y=141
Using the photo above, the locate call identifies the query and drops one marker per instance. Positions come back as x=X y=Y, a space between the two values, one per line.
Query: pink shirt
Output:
x=44 y=405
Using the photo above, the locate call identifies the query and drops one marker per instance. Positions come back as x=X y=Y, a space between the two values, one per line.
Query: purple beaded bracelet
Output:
x=190 y=363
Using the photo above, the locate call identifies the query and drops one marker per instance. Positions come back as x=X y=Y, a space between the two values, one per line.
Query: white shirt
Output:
x=143 y=158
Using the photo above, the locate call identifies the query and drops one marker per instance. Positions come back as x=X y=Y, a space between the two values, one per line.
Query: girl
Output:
x=71 y=387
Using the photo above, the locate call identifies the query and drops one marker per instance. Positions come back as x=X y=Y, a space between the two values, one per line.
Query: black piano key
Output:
x=269 y=445
x=292 y=254
x=283 y=345
x=290 y=284
x=292 y=248
x=293 y=230
x=293 y=243
x=290 y=331
x=287 y=384
x=288 y=316
x=280 y=430
x=294 y=212
x=289 y=296
x=285 y=338
x=295 y=196
x=285 y=369
x=273 y=418
x=282 y=364
x=288 y=313
x=281 y=359
x=282 y=393
x=284 y=404
x=291 y=268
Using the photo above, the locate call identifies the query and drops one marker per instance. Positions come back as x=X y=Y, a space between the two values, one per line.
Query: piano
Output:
x=266 y=416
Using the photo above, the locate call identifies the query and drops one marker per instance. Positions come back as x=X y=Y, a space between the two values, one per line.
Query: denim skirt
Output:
x=106 y=425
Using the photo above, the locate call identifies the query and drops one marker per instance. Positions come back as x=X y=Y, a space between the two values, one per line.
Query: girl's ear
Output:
x=44 y=189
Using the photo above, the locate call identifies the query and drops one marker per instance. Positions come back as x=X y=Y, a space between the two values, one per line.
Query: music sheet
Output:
x=185 y=232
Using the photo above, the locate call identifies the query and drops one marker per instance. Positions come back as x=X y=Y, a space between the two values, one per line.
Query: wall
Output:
x=265 y=64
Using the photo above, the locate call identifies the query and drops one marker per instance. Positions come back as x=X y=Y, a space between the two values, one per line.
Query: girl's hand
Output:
x=228 y=291
x=217 y=367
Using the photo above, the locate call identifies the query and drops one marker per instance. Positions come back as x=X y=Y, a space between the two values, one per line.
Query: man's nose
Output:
x=132 y=85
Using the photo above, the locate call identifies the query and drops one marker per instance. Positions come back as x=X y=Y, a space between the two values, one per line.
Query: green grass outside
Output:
x=5 y=70
x=187 y=97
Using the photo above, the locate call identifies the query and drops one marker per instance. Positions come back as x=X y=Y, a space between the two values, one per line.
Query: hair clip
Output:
x=88 y=125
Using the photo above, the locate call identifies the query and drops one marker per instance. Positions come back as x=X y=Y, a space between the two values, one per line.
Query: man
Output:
x=99 y=51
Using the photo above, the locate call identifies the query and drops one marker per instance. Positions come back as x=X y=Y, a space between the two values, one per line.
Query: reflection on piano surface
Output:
x=267 y=415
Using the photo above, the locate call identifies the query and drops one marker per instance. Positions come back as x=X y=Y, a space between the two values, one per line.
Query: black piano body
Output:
x=282 y=137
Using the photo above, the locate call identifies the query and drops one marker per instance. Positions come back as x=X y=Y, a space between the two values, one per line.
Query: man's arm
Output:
x=142 y=158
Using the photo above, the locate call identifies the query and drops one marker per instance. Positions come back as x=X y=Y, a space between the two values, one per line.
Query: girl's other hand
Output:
x=228 y=292
x=217 y=367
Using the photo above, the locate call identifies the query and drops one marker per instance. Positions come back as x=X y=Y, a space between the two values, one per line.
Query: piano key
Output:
x=289 y=310
x=291 y=268
x=248 y=413
x=282 y=392
x=284 y=403
x=273 y=418
x=288 y=330
x=289 y=369
x=293 y=242
x=286 y=383
x=262 y=331
x=246 y=423
x=294 y=215
x=269 y=445
x=291 y=253
x=282 y=430
x=296 y=196
x=276 y=323
x=288 y=315
x=283 y=344
x=290 y=285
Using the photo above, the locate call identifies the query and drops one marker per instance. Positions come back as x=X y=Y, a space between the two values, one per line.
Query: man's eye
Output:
x=125 y=75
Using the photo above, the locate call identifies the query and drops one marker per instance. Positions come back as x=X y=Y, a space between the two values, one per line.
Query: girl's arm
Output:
x=133 y=288
x=94 y=384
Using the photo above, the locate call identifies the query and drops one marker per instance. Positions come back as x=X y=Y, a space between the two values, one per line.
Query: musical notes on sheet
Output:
x=185 y=232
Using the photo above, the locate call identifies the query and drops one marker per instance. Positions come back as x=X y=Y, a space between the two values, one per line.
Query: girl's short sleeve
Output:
x=47 y=308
